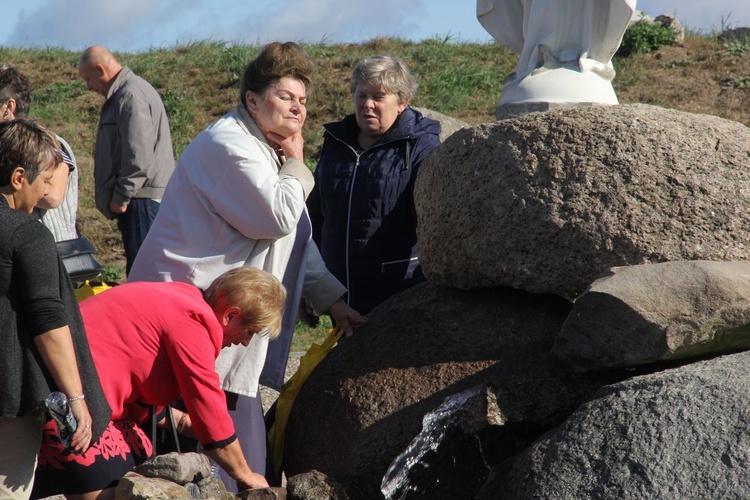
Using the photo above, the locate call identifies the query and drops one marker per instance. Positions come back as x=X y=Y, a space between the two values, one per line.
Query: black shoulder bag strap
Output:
x=172 y=425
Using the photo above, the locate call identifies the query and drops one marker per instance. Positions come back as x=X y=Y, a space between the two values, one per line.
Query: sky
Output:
x=139 y=25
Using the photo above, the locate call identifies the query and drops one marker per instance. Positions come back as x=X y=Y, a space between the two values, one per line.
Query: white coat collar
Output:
x=247 y=123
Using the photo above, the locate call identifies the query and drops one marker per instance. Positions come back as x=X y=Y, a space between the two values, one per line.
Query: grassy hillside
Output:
x=199 y=83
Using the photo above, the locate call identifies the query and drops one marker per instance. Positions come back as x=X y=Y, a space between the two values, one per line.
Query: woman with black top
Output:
x=44 y=347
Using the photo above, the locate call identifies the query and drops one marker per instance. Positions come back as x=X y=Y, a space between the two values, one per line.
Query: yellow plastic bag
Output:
x=91 y=288
x=307 y=364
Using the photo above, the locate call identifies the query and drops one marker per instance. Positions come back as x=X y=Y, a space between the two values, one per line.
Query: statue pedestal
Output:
x=565 y=49
x=544 y=89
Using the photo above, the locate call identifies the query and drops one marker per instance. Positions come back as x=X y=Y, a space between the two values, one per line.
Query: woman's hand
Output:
x=232 y=460
x=253 y=480
x=58 y=354
x=183 y=423
x=346 y=317
x=82 y=436
x=291 y=147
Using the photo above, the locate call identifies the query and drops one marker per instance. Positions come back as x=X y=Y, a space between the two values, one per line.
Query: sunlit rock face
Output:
x=548 y=201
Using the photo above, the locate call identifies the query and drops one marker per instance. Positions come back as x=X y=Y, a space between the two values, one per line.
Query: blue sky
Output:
x=136 y=25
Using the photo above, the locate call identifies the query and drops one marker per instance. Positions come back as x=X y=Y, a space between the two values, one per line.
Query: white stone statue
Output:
x=565 y=47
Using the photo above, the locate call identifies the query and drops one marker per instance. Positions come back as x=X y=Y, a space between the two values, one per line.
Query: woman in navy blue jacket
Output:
x=362 y=206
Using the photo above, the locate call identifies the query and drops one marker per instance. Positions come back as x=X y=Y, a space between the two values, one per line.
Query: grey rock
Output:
x=669 y=21
x=680 y=433
x=549 y=201
x=364 y=403
x=448 y=124
x=213 y=487
x=180 y=468
x=658 y=312
x=134 y=486
x=735 y=35
x=314 y=485
x=263 y=494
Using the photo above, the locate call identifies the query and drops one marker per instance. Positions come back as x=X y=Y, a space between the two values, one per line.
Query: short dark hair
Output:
x=274 y=62
x=24 y=143
x=14 y=85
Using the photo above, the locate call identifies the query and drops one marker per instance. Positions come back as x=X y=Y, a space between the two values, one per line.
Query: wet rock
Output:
x=364 y=403
x=263 y=494
x=446 y=459
x=314 y=485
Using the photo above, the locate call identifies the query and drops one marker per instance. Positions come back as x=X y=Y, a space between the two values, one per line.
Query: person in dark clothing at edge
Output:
x=362 y=206
x=45 y=347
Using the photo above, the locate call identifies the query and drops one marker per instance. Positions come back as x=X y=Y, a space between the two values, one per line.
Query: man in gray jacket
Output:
x=133 y=159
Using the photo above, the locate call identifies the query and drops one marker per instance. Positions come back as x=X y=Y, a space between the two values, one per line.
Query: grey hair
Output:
x=388 y=71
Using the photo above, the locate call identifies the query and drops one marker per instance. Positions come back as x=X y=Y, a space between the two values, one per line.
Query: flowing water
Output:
x=398 y=482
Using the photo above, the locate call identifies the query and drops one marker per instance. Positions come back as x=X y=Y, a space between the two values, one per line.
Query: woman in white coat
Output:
x=237 y=198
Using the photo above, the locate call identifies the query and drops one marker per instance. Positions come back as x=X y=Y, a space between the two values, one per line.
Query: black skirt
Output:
x=123 y=445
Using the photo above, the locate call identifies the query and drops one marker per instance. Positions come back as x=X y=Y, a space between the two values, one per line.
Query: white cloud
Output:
x=129 y=25
x=330 y=20
x=77 y=23
x=123 y=24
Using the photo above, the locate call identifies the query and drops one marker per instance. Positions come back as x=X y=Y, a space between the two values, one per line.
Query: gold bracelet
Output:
x=181 y=423
x=77 y=398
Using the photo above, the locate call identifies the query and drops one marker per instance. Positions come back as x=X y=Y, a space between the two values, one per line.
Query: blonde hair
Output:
x=258 y=294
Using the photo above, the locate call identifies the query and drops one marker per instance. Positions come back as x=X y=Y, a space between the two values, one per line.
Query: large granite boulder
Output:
x=680 y=433
x=645 y=314
x=365 y=402
x=548 y=201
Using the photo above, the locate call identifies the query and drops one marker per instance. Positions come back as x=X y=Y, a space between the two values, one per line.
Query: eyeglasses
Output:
x=67 y=160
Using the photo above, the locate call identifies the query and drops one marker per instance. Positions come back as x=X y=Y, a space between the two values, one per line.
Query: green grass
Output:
x=738 y=82
x=304 y=336
x=179 y=103
x=199 y=82
x=644 y=37
x=113 y=274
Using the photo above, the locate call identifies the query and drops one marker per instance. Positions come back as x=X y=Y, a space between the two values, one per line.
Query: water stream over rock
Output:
x=433 y=464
